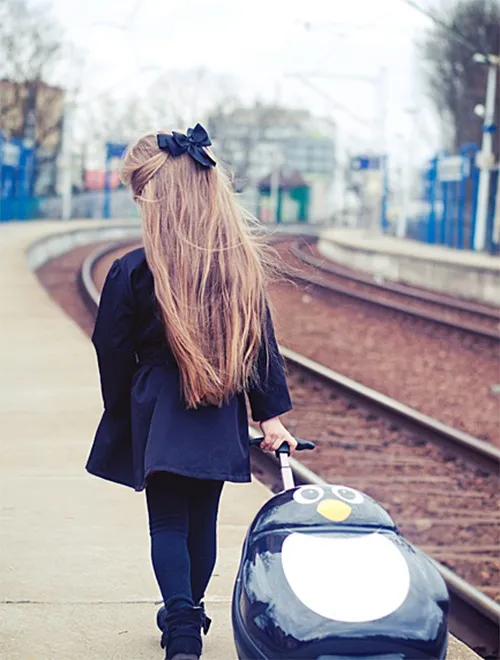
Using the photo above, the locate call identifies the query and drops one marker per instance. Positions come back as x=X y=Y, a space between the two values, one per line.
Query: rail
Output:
x=344 y=290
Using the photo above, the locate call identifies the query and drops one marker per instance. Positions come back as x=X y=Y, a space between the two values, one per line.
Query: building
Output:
x=262 y=139
x=33 y=112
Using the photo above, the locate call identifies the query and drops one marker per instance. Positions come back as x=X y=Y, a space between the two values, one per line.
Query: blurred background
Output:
x=362 y=114
x=363 y=134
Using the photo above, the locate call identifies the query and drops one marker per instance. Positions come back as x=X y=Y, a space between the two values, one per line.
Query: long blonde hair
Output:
x=207 y=268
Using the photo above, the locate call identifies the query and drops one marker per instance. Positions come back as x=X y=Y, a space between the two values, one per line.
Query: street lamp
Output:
x=479 y=110
x=402 y=223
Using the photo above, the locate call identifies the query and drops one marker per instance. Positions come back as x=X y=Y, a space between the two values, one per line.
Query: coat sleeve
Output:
x=113 y=341
x=269 y=397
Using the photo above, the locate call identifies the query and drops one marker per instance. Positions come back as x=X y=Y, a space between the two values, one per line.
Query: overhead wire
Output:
x=333 y=101
x=458 y=36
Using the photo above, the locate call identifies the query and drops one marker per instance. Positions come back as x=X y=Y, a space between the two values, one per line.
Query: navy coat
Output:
x=146 y=426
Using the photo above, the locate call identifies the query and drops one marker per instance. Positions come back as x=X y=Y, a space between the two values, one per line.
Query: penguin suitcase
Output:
x=325 y=575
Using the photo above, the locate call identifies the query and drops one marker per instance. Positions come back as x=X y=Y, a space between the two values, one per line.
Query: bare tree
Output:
x=175 y=100
x=112 y=120
x=30 y=41
x=178 y=99
x=103 y=119
x=456 y=84
x=30 y=50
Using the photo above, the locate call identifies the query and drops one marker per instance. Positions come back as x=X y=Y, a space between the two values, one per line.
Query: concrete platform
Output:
x=75 y=574
x=462 y=273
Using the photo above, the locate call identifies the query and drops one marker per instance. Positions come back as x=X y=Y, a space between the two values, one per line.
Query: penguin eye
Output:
x=348 y=495
x=308 y=494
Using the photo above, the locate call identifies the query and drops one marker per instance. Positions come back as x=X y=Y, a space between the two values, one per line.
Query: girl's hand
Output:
x=275 y=434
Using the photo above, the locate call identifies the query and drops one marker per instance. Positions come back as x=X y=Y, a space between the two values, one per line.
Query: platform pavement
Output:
x=361 y=238
x=75 y=576
x=463 y=273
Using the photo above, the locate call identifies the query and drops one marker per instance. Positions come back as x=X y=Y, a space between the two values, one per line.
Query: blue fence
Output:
x=17 y=201
x=17 y=162
x=449 y=193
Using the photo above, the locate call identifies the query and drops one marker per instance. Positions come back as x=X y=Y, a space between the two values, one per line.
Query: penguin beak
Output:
x=334 y=510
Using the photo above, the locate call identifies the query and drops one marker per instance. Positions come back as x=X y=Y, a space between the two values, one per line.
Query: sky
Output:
x=261 y=46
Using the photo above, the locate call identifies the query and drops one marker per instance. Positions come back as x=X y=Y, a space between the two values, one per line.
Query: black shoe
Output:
x=206 y=621
x=182 y=633
x=161 y=616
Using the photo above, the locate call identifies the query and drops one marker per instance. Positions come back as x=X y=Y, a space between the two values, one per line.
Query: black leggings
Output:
x=183 y=527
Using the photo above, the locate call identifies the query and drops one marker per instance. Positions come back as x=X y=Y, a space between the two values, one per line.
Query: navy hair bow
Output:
x=192 y=143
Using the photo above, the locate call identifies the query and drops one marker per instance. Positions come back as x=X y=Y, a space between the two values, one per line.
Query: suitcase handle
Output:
x=282 y=454
x=285 y=448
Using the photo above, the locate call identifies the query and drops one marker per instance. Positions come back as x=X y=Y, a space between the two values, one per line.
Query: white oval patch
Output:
x=346 y=579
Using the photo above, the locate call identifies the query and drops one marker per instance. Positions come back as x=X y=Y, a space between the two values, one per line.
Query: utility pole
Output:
x=274 y=195
x=486 y=154
x=382 y=147
x=30 y=136
x=67 y=163
x=274 y=185
x=406 y=183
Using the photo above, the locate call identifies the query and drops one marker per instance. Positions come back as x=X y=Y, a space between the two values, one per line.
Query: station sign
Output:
x=359 y=163
x=114 y=150
x=453 y=168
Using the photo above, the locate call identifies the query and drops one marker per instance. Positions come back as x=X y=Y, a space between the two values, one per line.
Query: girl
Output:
x=183 y=332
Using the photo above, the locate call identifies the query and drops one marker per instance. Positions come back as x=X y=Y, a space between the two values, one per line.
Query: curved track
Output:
x=439 y=483
x=473 y=318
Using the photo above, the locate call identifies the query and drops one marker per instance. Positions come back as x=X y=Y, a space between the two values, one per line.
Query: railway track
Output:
x=443 y=502
x=308 y=267
x=438 y=483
